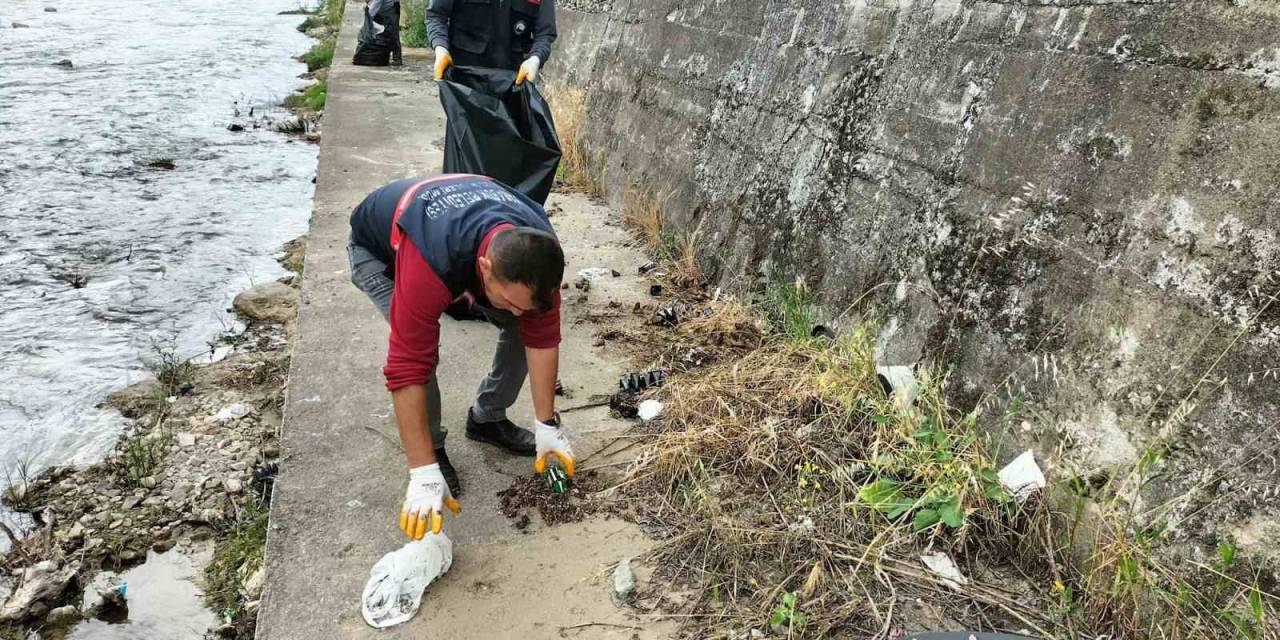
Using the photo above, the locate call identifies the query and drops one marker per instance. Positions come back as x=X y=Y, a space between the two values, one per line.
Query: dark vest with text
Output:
x=446 y=219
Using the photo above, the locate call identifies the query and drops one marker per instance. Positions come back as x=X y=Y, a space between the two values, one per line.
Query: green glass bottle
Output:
x=557 y=479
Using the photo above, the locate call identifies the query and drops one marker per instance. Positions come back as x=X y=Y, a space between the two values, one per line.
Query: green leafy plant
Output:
x=944 y=509
x=237 y=556
x=786 y=614
x=313 y=98
x=886 y=496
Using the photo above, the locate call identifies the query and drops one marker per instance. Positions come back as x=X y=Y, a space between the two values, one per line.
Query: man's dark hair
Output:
x=531 y=257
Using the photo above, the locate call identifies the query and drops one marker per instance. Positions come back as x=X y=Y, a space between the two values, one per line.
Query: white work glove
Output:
x=528 y=70
x=424 y=502
x=549 y=441
x=443 y=61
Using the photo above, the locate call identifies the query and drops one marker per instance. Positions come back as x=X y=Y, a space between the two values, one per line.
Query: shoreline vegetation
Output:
x=323 y=25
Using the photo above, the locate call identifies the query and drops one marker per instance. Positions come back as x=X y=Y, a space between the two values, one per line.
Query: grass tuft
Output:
x=320 y=56
x=237 y=557
x=312 y=98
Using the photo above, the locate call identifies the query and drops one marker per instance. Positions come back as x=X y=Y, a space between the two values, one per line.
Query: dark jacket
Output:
x=446 y=219
x=493 y=33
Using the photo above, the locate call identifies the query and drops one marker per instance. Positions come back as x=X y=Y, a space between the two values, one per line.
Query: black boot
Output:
x=502 y=433
x=450 y=475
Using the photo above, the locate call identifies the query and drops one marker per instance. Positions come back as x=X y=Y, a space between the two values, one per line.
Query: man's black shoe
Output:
x=397 y=61
x=502 y=433
x=450 y=475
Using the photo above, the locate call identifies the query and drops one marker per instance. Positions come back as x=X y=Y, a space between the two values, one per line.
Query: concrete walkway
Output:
x=342 y=475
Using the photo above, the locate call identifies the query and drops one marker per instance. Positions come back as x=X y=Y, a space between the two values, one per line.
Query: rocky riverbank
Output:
x=196 y=464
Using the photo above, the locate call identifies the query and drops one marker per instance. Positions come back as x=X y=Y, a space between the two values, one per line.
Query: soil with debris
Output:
x=532 y=493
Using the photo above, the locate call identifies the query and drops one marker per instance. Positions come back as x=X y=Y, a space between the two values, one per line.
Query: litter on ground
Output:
x=397 y=581
x=649 y=409
x=942 y=566
x=1023 y=476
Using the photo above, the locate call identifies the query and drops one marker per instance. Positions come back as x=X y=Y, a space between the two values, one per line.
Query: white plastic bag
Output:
x=396 y=583
x=1023 y=476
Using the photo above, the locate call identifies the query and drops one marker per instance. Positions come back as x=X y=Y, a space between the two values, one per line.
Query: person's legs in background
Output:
x=393 y=33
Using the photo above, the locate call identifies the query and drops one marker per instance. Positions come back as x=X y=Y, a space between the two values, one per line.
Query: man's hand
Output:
x=424 y=502
x=443 y=61
x=550 y=441
x=528 y=70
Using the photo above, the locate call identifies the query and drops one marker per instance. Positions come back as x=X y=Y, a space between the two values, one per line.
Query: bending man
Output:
x=417 y=245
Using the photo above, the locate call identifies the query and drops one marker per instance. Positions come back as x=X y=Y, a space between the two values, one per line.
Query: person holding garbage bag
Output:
x=515 y=35
x=488 y=53
x=418 y=245
x=378 y=43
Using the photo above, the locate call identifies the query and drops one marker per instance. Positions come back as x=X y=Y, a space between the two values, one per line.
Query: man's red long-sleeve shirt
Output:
x=418 y=301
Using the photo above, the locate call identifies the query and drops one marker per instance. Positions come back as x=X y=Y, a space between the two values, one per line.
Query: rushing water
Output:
x=163 y=250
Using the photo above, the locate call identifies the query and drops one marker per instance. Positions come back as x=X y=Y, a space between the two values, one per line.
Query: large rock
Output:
x=40 y=583
x=268 y=302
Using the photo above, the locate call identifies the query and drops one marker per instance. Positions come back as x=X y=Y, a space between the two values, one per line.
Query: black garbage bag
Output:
x=499 y=129
x=373 y=49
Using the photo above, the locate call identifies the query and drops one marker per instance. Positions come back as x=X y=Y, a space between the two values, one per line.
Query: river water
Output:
x=160 y=252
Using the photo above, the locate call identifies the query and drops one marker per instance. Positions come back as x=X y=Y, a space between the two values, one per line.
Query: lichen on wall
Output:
x=1080 y=199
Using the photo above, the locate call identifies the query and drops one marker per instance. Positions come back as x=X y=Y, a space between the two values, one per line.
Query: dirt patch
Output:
x=531 y=493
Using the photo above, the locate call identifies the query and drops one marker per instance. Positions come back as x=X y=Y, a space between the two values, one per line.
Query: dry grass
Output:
x=568 y=108
x=796 y=495
x=677 y=250
x=642 y=215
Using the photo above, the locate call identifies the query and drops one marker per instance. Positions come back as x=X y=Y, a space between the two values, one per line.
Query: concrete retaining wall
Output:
x=1074 y=203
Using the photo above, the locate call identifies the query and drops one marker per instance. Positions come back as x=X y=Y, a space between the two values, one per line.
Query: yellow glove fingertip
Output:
x=437 y=523
x=453 y=505
x=540 y=464
x=567 y=461
x=404 y=521
x=421 y=528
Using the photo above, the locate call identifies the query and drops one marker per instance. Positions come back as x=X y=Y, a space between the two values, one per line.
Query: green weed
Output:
x=312 y=98
x=786 y=615
x=320 y=56
x=171 y=370
x=237 y=556
x=142 y=455
x=414 y=17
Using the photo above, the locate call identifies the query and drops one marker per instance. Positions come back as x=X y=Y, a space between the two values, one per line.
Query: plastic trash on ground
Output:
x=642 y=380
x=942 y=566
x=1022 y=477
x=649 y=409
x=396 y=583
x=594 y=273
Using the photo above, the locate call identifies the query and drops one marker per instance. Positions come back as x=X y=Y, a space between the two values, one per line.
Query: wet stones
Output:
x=40 y=583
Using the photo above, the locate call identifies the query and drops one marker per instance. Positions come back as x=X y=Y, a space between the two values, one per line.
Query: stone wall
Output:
x=1073 y=203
